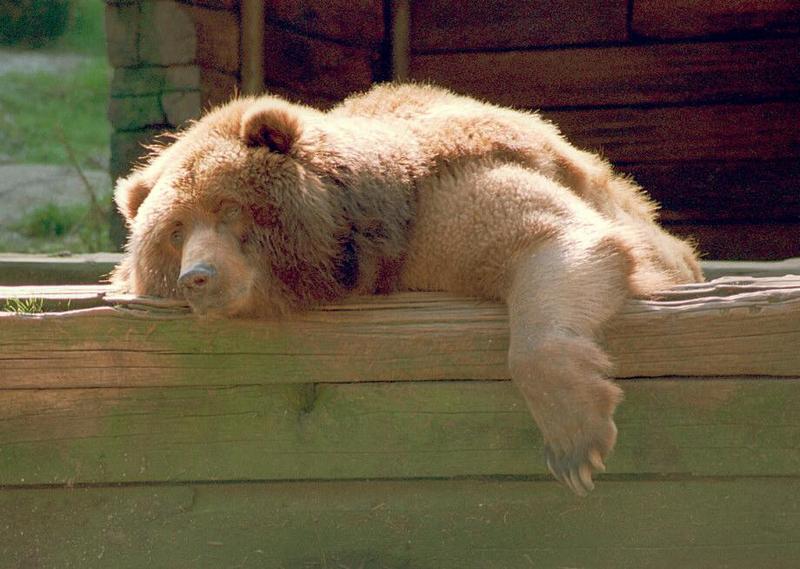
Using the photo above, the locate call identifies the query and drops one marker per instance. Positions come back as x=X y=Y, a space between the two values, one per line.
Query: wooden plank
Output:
x=717 y=269
x=624 y=75
x=455 y=524
x=71 y=297
x=49 y=298
x=60 y=296
x=708 y=191
x=737 y=241
x=712 y=427
x=693 y=18
x=765 y=131
x=312 y=66
x=23 y=269
x=730 y=286
x=418 y=336
x=505 y=25
x=359 y=23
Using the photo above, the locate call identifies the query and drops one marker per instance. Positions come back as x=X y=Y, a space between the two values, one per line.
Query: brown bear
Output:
x=265 y=207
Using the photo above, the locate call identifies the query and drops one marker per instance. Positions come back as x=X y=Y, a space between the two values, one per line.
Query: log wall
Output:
x=697 y=100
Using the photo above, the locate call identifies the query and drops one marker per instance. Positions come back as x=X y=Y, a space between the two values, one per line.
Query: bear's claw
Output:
x=575 y=467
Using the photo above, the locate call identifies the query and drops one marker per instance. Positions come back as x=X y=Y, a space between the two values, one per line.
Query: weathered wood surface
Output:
x=35 y=270
x=24 y=269
x=379 y=339
x=51 y=298
x=764 y=131
x=620 y=75
x=717 y=269
x=314 y=67
x=358 y=23
x=668 y=427
x=694 y=18
x=452 y=524
x=752 y=191
x=441 y=25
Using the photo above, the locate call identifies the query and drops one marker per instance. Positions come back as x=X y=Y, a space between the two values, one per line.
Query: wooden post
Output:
x=253 y=12
x=401 y=24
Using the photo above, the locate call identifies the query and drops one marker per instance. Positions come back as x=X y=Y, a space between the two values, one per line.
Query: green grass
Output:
x=24 y=305
x=38 y=111
x=51 y=228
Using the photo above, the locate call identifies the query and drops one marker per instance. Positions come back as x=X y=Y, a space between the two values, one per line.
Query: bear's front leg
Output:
x=562 y=293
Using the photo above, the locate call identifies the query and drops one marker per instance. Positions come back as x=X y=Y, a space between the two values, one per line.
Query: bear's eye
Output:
x=230 y=213
x=176 y=237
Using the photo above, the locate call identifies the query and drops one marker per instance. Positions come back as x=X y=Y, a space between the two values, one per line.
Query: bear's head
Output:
x=238 y=215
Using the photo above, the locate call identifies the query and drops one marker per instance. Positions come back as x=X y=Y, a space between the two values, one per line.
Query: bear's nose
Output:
x=197 y=278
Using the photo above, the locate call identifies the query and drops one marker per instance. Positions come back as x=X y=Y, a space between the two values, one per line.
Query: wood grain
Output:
x=411 y=336
x=315 y=67
x=356 y=23
x=765 y=131
x=624 y=75
x=53 y=298
x=446 y=524
x=699 y=427
x=25 y=269
x=694 y=18
x=714 y=191
x=483 y=24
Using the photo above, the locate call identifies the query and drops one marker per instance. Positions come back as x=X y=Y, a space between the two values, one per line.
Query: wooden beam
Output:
x=692 y=18
x=51 y=298
x=761 y=131
x=401 y=27
x=447 y=524
x=36 y=270
x=717 y=269
x=252 y=48
x=453 y=25
x=435 y=429
x=411 y=336
x=24 y=269
x=620 y=75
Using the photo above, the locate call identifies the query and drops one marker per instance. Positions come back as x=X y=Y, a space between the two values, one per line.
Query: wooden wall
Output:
x=695 y=98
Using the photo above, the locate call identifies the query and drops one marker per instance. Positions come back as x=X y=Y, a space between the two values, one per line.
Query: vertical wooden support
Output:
x=252 y=21
x=401 y=24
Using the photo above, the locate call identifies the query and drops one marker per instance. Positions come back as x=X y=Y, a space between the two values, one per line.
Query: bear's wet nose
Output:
x=197 y=278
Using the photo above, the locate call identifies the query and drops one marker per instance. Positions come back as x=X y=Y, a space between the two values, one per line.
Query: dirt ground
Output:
x=26 y=186
x=23 y=61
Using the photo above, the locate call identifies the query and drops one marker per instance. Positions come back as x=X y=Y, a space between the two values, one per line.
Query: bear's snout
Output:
x=197 y=280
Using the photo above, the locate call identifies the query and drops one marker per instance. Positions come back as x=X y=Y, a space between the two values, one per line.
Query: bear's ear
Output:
x=129 y=194
x=273 y=127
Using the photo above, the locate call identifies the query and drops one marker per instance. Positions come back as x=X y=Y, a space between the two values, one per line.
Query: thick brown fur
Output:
x=264 y=207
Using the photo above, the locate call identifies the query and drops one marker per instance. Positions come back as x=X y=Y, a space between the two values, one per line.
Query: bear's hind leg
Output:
x=562 y=293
